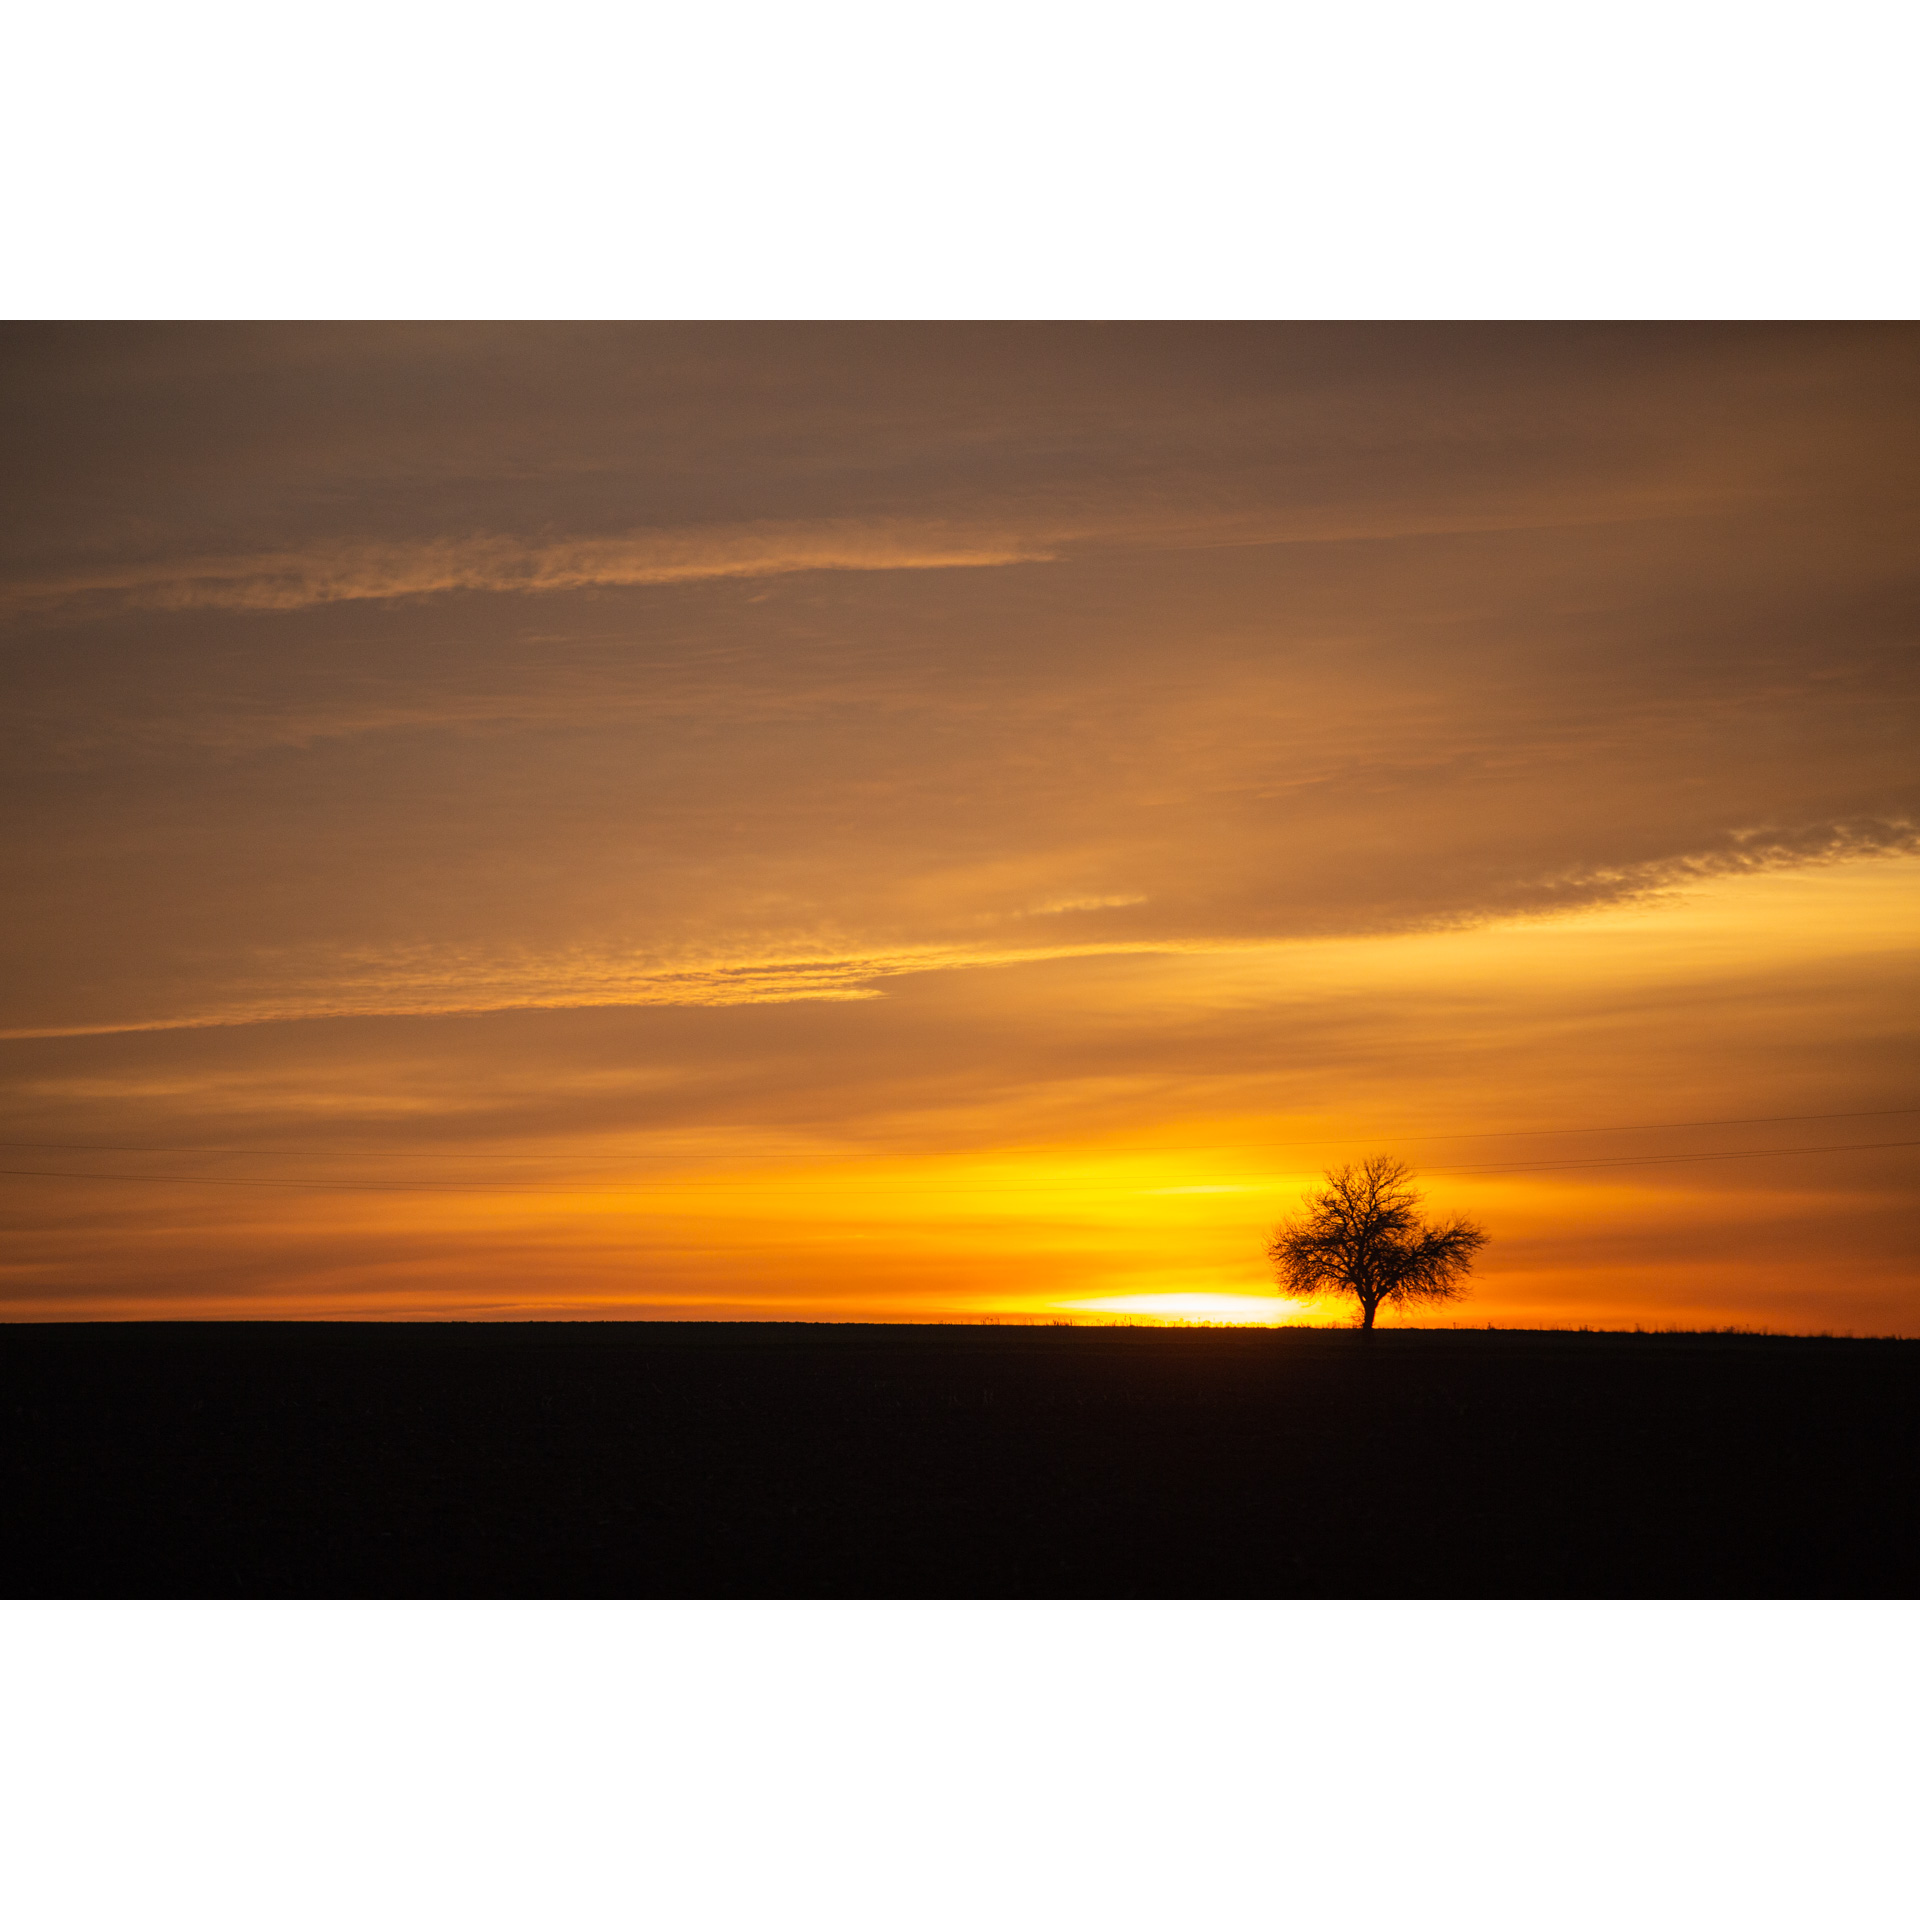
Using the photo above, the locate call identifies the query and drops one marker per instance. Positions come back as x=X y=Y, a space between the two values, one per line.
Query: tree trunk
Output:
x=1368 y=1309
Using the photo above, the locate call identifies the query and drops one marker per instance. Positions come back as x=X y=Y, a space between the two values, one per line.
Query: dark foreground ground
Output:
x=628 y=1460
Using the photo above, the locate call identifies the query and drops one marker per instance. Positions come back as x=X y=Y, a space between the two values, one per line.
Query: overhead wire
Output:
x=860 y=1153
x=1498 y=1166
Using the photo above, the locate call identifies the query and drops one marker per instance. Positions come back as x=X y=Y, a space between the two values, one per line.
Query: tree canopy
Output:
x=1363 y=1234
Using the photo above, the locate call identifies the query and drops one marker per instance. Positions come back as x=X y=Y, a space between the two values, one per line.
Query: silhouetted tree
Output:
x=1363 y=1234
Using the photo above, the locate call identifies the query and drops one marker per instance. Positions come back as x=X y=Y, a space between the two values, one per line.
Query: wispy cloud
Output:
x=448 y=982
x=386 y=984
x=286 y=580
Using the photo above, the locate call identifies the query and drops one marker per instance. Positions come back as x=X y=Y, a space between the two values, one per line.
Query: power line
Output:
x=448 y=1153
x=928 y=1153
x=1667 y=1159
x=1628 y=1126
x=1497 y=1166
x=204 y=1180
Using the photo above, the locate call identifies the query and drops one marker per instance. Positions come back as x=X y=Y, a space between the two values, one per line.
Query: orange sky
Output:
x=937 y=821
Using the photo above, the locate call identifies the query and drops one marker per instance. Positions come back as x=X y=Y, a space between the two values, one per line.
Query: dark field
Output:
x=628 y=1460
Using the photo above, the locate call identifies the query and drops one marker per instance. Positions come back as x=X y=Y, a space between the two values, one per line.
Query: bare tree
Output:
x=1363 y=1234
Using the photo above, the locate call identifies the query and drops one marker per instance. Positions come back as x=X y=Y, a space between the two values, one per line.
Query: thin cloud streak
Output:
x=287 y=582
x=500 y=563
x=391 y=986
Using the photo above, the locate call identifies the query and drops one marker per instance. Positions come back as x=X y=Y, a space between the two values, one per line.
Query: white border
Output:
x=947 y=1759
x=1007 y=159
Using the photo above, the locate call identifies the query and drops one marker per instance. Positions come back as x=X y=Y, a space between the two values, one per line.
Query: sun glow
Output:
x=1506 y=1063
x=1189 y=1309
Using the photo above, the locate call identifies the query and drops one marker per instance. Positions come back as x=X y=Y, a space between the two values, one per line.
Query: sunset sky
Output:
x=924 y=821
